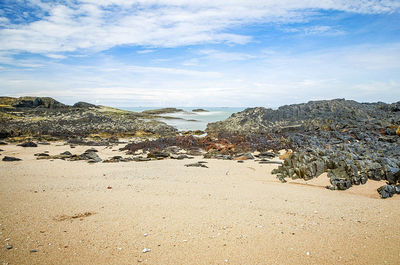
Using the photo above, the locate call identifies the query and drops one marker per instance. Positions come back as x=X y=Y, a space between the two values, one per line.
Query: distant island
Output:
x=162 y=111
x=199 y=110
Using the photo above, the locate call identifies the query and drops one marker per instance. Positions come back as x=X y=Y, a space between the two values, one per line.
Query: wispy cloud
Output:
x=225 y=56
x=320 y=30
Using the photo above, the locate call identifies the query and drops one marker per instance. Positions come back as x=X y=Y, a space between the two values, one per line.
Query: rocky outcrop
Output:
x=22 y=118
x=324 y=115
x=351 y=141
x=32 y=102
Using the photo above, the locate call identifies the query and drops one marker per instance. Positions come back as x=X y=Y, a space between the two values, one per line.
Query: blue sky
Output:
x=200 y=53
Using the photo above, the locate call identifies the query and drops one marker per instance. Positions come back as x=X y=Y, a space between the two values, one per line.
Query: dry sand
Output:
x=229 y=213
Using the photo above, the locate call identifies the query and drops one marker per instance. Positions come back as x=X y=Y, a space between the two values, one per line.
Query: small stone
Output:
x=145 y=250
x=34 y=250
x=28 y=144
x=308 y=253
x=10 y=158
x=9 y=246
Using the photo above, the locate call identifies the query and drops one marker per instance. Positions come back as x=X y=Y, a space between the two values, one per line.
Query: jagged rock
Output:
x=28 y=144
x=386 y=191
x=11 y=158
x=392 y=174
x=91 y=156
x=340 y=184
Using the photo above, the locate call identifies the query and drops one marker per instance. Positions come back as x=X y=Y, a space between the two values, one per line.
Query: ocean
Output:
x=189 y=120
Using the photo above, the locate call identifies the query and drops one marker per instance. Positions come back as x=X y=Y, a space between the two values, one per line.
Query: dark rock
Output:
x=91 y=156
x=41 y=154
x=84 y=105
x=196 y=165
x=270 y=162
x=91 y=150
x=199 y=110
x=392 y=174
x=141 y=159
x=9 y=247
x=3 y=143
x=397 y=189
x=340 y=184
x=386 y=191
x=266 y=155
x=66 y=153
x=10 y=158
x=28 y=144
x=41 y=102
x=116 y=159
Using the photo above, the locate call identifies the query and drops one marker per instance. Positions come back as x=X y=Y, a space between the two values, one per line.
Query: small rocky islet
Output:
x=353 y=142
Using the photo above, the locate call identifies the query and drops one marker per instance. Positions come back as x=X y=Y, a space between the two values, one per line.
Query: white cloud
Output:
x=270 y=79
x=99 y=25
x=225 y=56
x=321 y=30
x=145 y=51
x=56 y=56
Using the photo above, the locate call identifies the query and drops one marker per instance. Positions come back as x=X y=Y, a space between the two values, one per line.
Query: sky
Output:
x=215 y=53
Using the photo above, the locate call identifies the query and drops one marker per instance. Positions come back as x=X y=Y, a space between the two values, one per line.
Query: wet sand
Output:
x=230 y=213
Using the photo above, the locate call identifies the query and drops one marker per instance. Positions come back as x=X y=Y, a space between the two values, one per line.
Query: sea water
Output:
x=188 y=120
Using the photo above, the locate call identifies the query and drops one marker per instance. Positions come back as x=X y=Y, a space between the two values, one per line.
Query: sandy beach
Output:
x=63 y=212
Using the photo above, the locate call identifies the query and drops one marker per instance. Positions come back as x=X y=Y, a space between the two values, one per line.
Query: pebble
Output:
x=308 y=253
x=34 y=250
x=145 y=250
x=9 y=246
